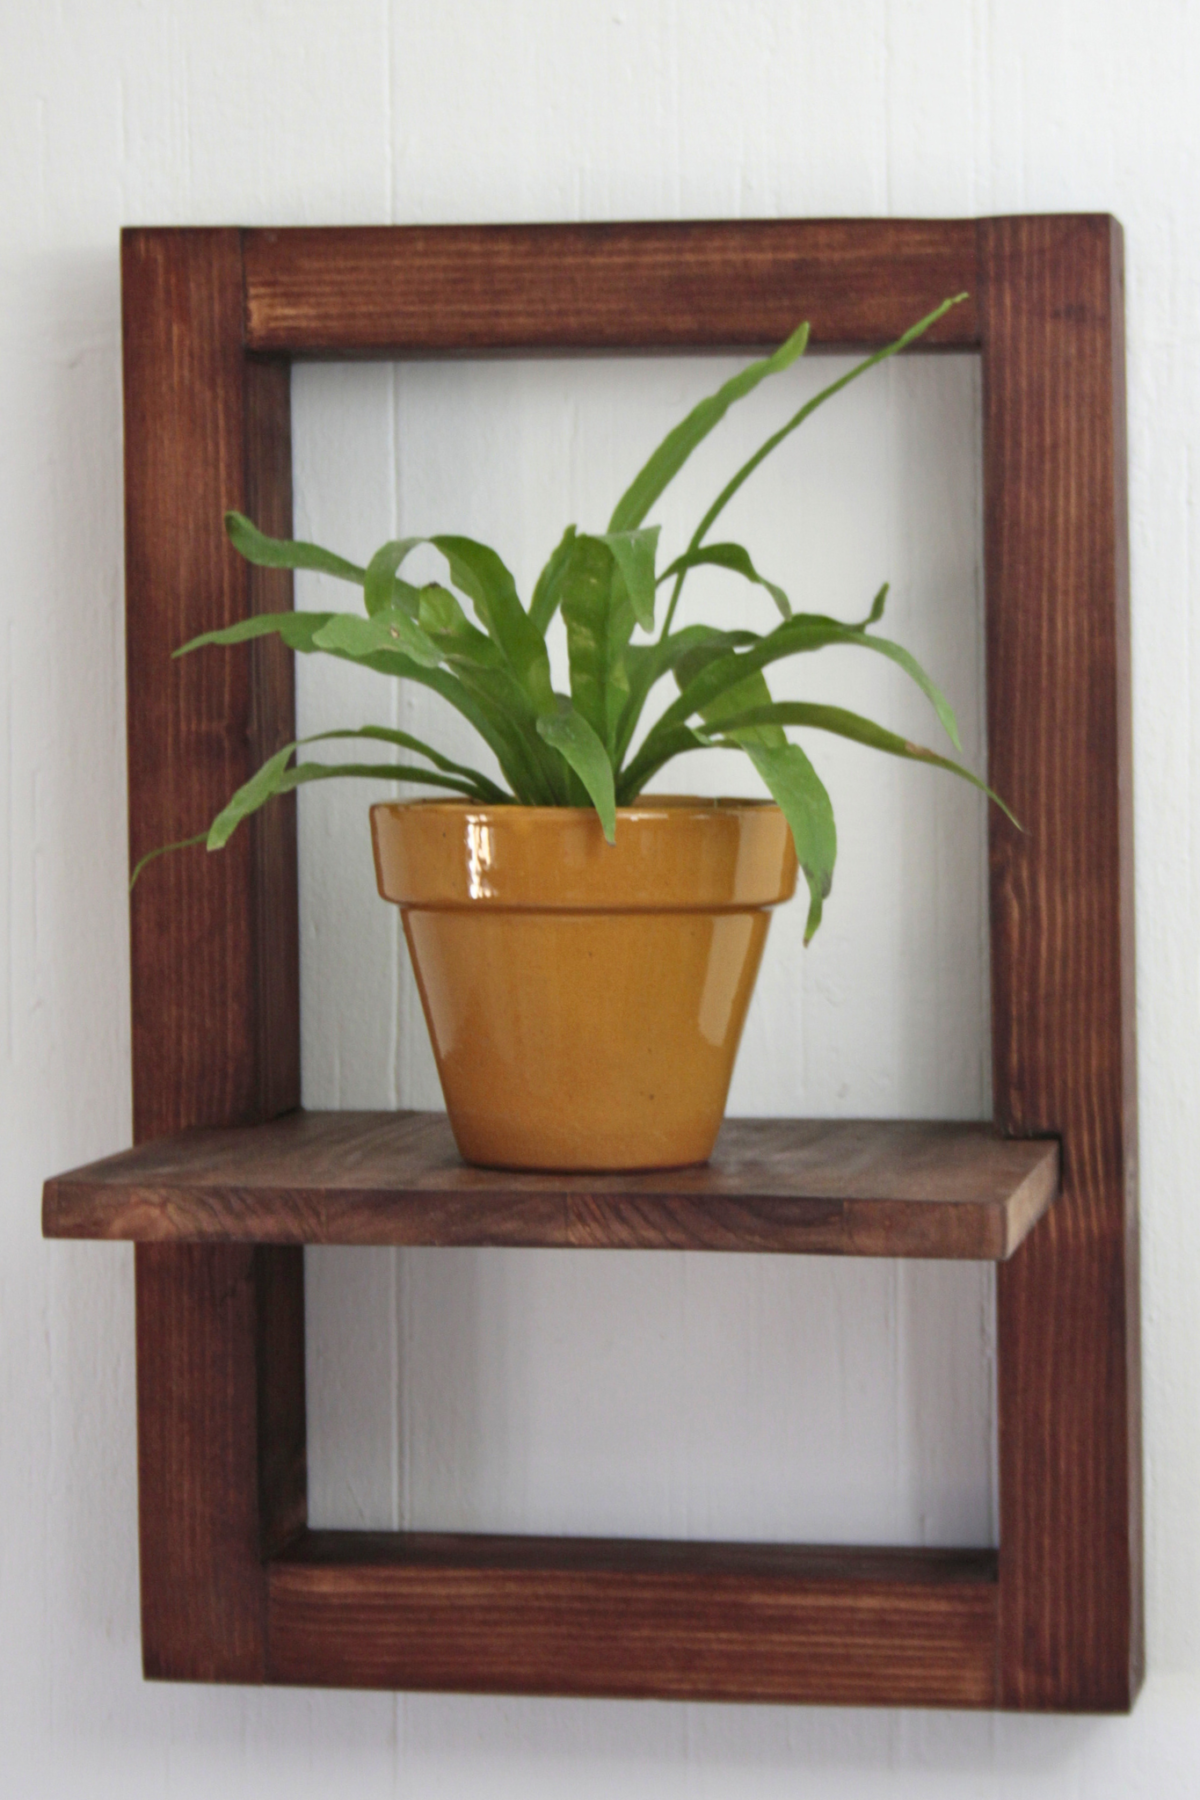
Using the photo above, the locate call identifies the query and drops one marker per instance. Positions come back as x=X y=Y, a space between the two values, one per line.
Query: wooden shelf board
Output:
x=831 y=1187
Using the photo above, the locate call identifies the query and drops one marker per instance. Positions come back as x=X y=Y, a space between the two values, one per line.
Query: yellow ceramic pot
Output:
x=585 y=1000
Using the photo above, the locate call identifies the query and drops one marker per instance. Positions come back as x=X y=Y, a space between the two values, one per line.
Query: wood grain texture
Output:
x=214 y=963
x=188 y=722
x=276 y=918
x=219 y=1478
x=1062 y=963
x=214 y=948
x=671 y=1620
x=281 y=1421
x=411 y=290
x=837 y=1187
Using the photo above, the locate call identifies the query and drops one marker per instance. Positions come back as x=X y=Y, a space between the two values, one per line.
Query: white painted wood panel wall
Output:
x=670 y=1395
x=674 y=1395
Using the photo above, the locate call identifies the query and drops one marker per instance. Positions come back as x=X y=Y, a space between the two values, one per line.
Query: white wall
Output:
x=123 y=113
x=720 y=1396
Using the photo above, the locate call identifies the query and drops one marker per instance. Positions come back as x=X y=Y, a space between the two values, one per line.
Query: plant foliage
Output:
x=577 y=749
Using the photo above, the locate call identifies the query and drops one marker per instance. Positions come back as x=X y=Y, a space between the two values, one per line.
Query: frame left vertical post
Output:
x=215 y=946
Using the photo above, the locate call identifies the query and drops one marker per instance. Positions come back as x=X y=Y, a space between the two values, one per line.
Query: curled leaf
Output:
x=728 y=556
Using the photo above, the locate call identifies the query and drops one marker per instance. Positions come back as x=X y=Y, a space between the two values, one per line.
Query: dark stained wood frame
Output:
x=234 y=1587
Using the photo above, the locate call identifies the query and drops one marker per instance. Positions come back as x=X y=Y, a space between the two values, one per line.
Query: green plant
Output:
x=555 y=750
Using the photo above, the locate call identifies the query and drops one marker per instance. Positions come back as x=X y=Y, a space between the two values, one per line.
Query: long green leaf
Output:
x=496 y=706
x=720 y=712
x=811 y=406
x=297 y=629
x=381 y=587
x=876 y=612
x=677 y=742
x=753 y=692
x=484 y=670
x=502 y=713
x=495 y=719
x=796 y=787
x=495 y=710
x=404 y=740
x=904 y=660
x=859 y=730
x=548 y=592
x=646 y=664
x=252 y=794
x=634 y=552
x=306 y=772
x=854 y=637
x=390 y=630
x=785 y=431
x=482 y=576
x=276 y=778
x=719 y=675
x=792 y=782
x=164 y=850
x=444 y=621
x=728 y=556
x=599 y=618
x=287 y=553
x=803 y=633
x=569 y=733
x=670 y=456
x=474 y=568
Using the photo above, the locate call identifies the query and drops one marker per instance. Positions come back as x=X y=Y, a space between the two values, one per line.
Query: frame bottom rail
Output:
x=634 y=1619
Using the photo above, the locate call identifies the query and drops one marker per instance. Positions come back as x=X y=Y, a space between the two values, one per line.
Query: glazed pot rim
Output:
x=644 y=807
x=674 y=853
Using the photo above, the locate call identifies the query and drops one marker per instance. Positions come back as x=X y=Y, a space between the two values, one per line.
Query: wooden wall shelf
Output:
x=862 y=1187
x=234 y=1585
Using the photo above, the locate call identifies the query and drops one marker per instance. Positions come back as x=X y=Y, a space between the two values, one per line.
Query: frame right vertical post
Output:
x=1057 y=583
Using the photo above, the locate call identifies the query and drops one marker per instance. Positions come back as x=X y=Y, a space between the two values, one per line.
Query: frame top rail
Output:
x=690 y=285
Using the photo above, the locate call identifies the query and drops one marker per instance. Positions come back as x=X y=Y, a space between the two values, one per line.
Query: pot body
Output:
x=584 y=1000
